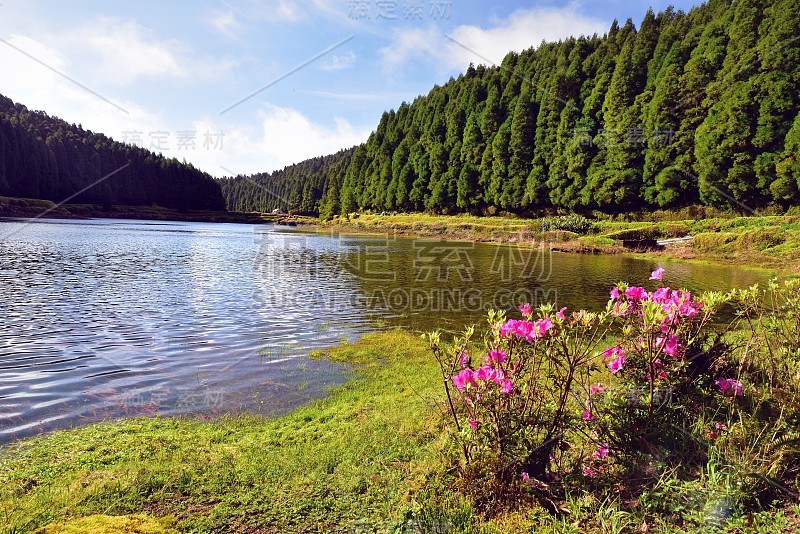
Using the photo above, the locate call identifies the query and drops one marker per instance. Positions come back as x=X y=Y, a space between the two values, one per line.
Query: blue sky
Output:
x=177 y=79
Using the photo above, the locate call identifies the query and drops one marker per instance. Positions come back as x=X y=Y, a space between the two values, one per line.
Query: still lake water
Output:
x=109 y=318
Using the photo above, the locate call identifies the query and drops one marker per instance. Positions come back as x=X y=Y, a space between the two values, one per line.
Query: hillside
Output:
x=688 y=108
x=43 y=157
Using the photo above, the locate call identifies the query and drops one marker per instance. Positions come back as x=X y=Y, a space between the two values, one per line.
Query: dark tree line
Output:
x=47 y=158
x=312 y=186
x=697 y=107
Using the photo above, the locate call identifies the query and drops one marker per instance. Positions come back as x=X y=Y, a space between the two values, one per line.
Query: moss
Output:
x=105 y=524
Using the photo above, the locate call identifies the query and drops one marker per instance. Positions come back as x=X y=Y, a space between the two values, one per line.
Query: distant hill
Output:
x=698 y=107
x=43 y=157
x=298 y=188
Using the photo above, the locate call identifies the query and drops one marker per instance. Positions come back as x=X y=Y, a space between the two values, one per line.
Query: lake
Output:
x=112 y=318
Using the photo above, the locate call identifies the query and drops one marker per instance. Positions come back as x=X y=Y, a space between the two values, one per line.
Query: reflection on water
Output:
x=111 y=318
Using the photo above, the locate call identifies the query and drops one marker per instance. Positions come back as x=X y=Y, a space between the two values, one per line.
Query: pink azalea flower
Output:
x=497 y=357
x=560 y=313
x=506 y=386
x=525 y=476
x=730 y=387
x=657 y=274
x=508 y=328
x=542 y=326
x=662 y=295
x=690 y=308
x=601 y=452
x=617 y=364
x=612 y=352
x=636 y=293
x=473 y=424
x=464 y=379
x=464 y=360
x=485 y=373
x=525 y=309
x=614 y=293
x=670 y=345
x=587 y=416
x=525 y=330
x=589 y=472
x=599 y=388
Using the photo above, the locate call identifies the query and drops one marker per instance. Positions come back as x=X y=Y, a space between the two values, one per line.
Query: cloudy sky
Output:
x=254 y=85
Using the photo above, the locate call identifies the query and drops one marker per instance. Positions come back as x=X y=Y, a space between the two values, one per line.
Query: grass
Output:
x=356 y=457
x=769 y=241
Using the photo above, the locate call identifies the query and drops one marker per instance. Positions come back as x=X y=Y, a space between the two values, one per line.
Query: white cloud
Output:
x=473 y=44
x=339 y=62
x=112 y=52
x=283 y=136
x=44 y=83
x=226 y=23
x=124 y=51
x=287 y=10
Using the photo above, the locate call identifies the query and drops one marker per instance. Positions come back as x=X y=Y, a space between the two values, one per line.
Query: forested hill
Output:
x=697 y=107
x=298 y=187
x=44 y=157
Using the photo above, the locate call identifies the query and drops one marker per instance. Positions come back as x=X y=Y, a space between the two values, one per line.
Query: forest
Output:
x=43 y=157
x=695 y=107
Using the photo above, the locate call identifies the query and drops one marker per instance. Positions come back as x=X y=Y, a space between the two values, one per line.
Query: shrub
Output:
x=572 y=223
x=652 y=387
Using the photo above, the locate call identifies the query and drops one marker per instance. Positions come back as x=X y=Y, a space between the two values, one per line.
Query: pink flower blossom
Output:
x=599 y=388
x=486 y=373
x=527 y=330
x=506 y=386
x=636 y=293
x=690 y=308
x=589 y=472
x=464 y=359
x=614 y=293
x=670 y=345
x=730 y=387
x=543 y=326
x=587 y=416
x=473 y=424
x=525 y=309
x=464 y=379
x=601 y=452
x=525 y=476
x=497 y=357
x=560 y=314
x=657 y=274
x=612 y=352
x=617 y=364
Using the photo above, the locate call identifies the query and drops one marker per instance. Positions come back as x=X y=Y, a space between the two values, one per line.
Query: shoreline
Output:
x=20 y=208
x=748 y=255
x=762 y=243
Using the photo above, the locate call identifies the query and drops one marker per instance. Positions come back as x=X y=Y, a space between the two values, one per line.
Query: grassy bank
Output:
x=368 y=458
x=771 y=242
x=360 y=457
